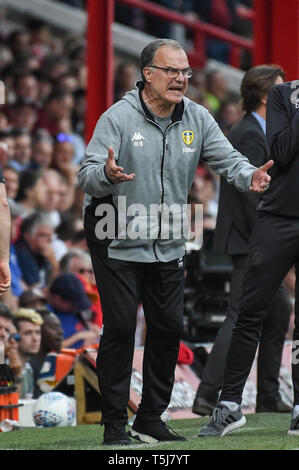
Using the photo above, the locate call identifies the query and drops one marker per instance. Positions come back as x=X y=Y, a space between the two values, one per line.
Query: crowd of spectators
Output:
x=41 y=146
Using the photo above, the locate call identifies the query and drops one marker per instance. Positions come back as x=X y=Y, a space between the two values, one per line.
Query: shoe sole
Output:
x=230 y=428
x=145 y=438
x=234 y=426
x=293 y=432
x=117 y=443
x=142 y=437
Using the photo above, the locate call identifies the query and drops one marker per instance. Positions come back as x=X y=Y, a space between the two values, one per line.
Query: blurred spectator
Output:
x=63 y=155
x=26 y=87
x=70 y=303
x=45 y=85
x=3 y=120
x=50 y=205
x=34 y=250
x=126 y=76
x=12 y=181
x=6 y=137
x=229 y=114
x=23 y=115
x=6 y=56
x=19 y=41
x=67 y=230
x=217 y=89
x=78 y=262
x=23 y=150
x=33 y=298
x=202 y=192
x=7 y=331
x=56 y=65
x=40 y=38
x=42 y=150
x=78 y=116
x=31 y=193
x=5 y=323
x=221 y=13
x=28 y=324
x=58 y=105
x=66 y=129
x=51 y=340
x=17 y=283
x=161 y=28
x=67 y=82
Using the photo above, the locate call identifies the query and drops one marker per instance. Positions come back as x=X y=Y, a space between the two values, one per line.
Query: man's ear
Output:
x=147 y=74
x=264 y=99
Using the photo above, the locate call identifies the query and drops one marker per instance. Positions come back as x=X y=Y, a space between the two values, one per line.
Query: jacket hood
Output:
x=134 y=97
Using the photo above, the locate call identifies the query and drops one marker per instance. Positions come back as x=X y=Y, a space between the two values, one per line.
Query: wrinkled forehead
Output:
x=171 y=57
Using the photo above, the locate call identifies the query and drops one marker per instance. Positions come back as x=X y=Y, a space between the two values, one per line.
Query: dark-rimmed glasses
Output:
x=174 y=73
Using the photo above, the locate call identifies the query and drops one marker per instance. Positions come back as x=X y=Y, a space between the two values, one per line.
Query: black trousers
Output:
x=274 y=249
x=274 y=328
x=160 y=287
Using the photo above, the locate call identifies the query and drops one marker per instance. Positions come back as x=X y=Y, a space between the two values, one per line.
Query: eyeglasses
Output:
x=174 y=73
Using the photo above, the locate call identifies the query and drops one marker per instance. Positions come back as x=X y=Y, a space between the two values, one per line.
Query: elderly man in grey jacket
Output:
x=139 y=166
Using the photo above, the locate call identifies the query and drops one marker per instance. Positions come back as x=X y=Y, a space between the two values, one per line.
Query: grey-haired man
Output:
x=146 y=149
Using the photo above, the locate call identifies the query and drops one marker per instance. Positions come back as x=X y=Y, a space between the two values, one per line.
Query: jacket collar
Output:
x=176 y=115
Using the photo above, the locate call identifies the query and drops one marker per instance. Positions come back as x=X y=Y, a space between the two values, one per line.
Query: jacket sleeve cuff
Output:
x=105 y=174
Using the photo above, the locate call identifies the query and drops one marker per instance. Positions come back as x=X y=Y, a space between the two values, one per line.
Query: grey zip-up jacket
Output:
x=164 y=164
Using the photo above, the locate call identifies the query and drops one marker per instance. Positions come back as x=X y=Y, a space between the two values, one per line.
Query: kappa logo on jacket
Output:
x=137 y=139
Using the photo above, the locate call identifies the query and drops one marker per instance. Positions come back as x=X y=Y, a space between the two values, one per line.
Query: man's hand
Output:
x=115 y=173
x=261 y=179
x=5 y=277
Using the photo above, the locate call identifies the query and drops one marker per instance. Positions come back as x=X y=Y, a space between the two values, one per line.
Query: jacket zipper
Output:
x=165 y=145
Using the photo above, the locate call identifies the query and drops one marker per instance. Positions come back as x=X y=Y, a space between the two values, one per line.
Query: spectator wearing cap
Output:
x=34 y=250
x=28 y=324
x=69 y=301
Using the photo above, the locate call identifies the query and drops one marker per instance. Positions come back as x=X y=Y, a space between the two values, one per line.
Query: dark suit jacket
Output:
x=237 y=211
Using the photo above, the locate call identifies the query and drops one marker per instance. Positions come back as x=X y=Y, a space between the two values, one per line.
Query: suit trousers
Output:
x=121 y=285
x=272 y=339
x=274 y=249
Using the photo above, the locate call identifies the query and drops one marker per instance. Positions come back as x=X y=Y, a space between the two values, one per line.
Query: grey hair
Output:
x=34 y=220
x=65 y=261
x=148 y=53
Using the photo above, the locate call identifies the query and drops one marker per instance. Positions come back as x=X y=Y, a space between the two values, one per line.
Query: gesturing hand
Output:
x=115 y=173
x=261 y=179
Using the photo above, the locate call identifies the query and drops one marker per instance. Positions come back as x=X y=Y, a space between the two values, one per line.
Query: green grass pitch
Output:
x=264 y=431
